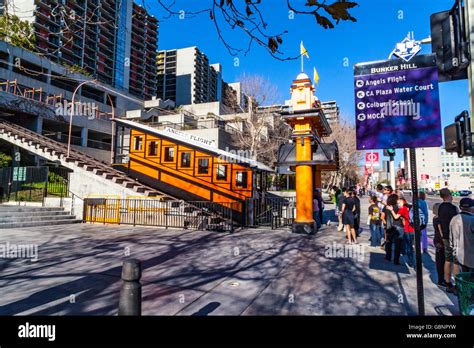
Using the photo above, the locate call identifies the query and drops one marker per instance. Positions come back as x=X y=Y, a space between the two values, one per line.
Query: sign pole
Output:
x=392 y=172
x=416 y=220
x=469 y=20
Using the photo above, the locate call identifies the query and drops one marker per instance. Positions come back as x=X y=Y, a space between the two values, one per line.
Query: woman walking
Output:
x=348 y=209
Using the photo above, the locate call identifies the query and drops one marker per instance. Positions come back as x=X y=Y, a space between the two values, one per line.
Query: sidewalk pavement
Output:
x=251 y=272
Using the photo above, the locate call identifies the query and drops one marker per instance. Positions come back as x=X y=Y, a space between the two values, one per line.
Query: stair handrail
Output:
x=57 y=146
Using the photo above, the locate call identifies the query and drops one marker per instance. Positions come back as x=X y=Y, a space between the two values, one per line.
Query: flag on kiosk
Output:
x=315 y=76
x=303 y=51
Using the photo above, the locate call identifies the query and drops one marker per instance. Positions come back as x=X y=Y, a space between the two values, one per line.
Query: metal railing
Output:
x=271 y=211
x=213 y=216
x=32 y=184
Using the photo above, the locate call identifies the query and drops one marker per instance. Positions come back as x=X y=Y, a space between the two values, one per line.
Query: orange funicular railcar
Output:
x=185 y=167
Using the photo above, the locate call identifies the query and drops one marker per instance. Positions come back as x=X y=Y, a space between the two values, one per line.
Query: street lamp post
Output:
x=71 y=114
x=112 y=140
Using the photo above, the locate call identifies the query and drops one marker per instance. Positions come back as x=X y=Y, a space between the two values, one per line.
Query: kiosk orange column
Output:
x=303 y=121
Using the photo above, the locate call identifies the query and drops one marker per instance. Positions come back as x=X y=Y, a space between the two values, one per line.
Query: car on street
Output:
x=465 y=193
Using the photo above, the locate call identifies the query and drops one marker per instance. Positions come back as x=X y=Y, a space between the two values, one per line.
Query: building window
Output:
x=241 y=179
x=203 y=166
x=186 y=159
x=152 y=148
x=138 y=143
x=221 y=173
x=169 y=154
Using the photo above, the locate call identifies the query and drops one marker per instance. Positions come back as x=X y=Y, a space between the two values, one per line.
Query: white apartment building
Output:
x=457 y=172
x=437 y=168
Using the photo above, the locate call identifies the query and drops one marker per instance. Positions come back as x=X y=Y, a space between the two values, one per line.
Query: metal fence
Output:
x=32 y=184
x=271 y=211
x=169 y=214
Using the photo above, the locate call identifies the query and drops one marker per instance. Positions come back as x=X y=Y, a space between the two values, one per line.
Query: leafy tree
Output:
x=4 y=160
x=17 y=32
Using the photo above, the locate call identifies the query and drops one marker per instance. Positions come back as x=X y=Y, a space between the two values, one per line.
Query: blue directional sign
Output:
x=397 y=104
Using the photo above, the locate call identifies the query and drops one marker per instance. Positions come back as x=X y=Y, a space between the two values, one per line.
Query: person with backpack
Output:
x=446 y=211
x=394 y=229
x=375 y=222
x=424 y=208
x=439 y=247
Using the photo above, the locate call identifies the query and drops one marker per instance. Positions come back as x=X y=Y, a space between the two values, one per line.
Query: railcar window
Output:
x=203 y=166
x=241 y=179
x=221 y=172
x=169 y=154
x=138 y=143
x=186 y=159
x=152 y=148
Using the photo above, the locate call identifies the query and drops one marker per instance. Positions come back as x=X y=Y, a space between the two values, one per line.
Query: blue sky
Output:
x=380 y=25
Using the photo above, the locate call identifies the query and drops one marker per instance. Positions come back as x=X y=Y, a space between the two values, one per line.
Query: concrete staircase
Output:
x=78 y=162
x=14 y=216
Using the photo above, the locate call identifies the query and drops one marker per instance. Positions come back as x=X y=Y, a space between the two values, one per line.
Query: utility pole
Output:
x=392 y=172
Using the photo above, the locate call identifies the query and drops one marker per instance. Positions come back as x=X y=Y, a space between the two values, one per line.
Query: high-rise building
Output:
x=114 y=41
x=143 y=54
x=331 y=111
x=186 y=77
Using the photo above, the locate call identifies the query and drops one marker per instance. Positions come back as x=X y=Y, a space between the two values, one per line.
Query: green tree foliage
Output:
x=17 y=32
x=4 y=160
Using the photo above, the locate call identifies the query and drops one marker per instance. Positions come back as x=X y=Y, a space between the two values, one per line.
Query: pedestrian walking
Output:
x=439 y=246
x=446 y=211
x=375 y=222
x=319 y=197
x=356 y=213
x=387 y=191
x=335 y=196
x=394 y=229
x=462 y=236
x=348 y=210
x=316 y=211
x=380 y=192
x=424 y=208
x=340 y=200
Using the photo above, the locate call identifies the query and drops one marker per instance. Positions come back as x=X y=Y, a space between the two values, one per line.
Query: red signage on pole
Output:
x=372 y=159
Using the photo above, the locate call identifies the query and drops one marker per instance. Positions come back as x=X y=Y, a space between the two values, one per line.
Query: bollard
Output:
x=130 y=302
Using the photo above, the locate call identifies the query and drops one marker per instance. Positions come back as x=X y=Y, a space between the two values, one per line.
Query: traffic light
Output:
x=449 y=43
x=458 y=136
x=389 y=152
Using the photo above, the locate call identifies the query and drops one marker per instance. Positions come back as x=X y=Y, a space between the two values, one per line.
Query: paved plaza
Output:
x=186 y=272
